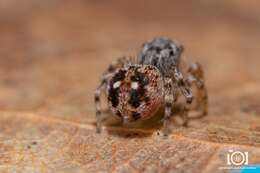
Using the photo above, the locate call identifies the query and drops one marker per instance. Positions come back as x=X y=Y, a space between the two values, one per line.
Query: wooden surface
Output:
x=52 y=54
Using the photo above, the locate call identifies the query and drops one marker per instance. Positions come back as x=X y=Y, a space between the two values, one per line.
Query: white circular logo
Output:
x=237 y=158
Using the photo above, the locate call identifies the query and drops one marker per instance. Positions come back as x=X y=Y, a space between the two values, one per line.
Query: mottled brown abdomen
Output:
x=135 y=92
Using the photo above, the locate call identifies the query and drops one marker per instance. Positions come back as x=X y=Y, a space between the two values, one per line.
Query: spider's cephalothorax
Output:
x=162 y=53
x=135 y=91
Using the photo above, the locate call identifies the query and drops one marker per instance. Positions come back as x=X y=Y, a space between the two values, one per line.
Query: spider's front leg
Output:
x=170 y=97
x=119 y=63
x=196 y=76
x=186 y=92
x=101 y=88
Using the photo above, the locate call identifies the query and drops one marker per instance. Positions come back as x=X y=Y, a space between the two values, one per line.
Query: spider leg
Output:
x=186 y=92
x=119 y=63
x=170 y=97
x=98 y=92
x=97 y=98
x=196 y=76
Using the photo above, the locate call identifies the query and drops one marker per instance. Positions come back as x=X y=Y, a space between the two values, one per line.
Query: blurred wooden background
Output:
x=52 y=54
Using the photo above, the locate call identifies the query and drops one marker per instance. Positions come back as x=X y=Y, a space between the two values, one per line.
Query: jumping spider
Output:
x=136 y=90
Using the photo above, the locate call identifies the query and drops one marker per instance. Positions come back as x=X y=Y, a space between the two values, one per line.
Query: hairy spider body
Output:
x=135 y=91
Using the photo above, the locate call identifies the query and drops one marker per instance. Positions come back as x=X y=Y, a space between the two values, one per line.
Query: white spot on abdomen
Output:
x=116 y=84
x=134 y=85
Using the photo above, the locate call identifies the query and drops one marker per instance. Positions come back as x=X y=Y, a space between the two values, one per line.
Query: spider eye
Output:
x=171 y=53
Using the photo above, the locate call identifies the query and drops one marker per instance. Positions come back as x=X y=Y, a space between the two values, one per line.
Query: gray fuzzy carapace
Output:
x=162 y=53
x=135 y=90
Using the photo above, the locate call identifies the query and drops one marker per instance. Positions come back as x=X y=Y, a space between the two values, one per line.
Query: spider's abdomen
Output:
x=135 y=92
x=162 y=53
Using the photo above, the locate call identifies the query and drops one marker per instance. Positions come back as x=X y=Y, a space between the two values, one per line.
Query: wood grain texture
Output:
x=52 y=54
